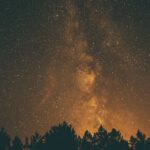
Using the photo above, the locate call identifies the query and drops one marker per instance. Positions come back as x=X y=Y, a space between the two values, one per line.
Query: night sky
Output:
x=84 y=62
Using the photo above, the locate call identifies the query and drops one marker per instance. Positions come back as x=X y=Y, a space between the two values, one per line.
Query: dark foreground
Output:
x=63 y=137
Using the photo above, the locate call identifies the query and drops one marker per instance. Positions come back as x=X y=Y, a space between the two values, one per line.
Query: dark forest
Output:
x=64 y=137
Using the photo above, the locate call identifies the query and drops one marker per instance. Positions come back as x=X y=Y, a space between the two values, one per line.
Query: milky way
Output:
x=78 y=63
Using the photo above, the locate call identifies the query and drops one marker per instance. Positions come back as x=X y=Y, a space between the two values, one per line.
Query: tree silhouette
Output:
x=140 y=144
x=36 y=142
x=4 y=140
x=26 y=145
x=133 y=142
x=86 y=143
x=147 y=144
x=116 y=141
x=17 y=144
x=61 y=137
x=100 y=139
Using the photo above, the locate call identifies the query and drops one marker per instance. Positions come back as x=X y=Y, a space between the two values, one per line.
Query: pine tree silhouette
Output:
x=17 y=144
x=100 y=139
x=147 y=144
x=63 y=137
x=36 y=143
x=87 y=140
x=4 y=140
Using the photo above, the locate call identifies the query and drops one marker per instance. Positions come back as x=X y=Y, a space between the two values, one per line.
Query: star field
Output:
x=84 y=62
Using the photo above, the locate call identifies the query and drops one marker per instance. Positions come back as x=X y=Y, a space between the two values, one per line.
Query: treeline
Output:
x=63 y=137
